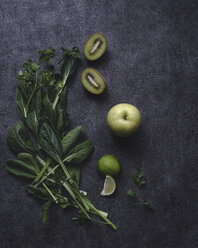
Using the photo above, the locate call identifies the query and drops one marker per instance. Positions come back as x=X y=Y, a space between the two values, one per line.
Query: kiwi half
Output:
x=93 y=81
x=95 y=46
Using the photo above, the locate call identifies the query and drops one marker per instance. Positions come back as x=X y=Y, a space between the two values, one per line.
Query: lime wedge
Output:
x=109 y=186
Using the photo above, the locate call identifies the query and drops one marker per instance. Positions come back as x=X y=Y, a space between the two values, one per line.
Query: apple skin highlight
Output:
x=123 y=119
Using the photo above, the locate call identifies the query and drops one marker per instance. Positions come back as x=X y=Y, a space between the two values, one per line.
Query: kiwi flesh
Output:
x=93 y=81
x=95 y=46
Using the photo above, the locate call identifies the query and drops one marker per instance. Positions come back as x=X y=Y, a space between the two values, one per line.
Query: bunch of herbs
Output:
x=46 y=152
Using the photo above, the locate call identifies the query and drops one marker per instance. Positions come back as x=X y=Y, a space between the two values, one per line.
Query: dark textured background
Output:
x=151 y=62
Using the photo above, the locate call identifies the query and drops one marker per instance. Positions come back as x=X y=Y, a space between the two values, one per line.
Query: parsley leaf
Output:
x=131 y=193
x=139 y=177
x=147 y=205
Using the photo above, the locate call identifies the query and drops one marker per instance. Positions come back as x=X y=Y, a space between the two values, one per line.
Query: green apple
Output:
x=123 y=119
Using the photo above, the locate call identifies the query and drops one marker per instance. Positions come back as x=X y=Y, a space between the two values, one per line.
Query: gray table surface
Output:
x=151 y=62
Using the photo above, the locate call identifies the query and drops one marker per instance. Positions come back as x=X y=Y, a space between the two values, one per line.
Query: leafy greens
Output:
x=46 y=151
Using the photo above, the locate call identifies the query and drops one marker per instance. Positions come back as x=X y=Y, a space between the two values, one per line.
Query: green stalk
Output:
x=28 y=102
x=67 y=187
x=50 y=172
x=73 y=183
x=59 y=92
x=102 y=216
x=42 y=170
x=49 y=191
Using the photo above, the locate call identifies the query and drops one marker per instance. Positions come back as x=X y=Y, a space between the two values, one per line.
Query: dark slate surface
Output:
x=151 y=62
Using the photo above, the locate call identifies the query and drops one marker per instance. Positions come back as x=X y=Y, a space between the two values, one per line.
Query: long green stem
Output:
x=49 y=173
x=102 y=216
x=67 y=187
x=73 y=183
x=59 y=92
x=42 y=170
x=71 y=188
x=28 y=102
x=49 y=191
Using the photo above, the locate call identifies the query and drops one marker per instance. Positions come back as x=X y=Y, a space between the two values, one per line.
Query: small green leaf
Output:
x=147 y=205
x=46 y=55
x=34 y=66
x=131 y=193
x=45 y=208
x=139 y=177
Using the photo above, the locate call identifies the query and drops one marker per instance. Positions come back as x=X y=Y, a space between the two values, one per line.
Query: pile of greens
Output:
x=46 y=152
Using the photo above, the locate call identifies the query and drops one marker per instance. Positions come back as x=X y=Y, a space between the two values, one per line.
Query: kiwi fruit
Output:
x=93 y=81
x=95 y=46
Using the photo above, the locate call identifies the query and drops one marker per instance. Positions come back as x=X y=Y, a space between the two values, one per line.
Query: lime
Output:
x=109 y=186
x=108 y=165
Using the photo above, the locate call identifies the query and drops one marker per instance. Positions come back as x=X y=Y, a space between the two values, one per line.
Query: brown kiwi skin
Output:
x=86 y=43
x=100 y=76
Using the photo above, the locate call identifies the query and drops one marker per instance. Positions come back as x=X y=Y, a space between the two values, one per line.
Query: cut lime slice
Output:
x=109 y=186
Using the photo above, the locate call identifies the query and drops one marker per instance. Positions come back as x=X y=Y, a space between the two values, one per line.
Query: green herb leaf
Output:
x=67 y=68
x=48 y=111
x=71 y=138
x=20 y=104
x=18 y=139
x=49 y=142
x=34 y=115
x=147 y=205
x=139 y=177
x=21 y=169
x=74 y=172
x=38 y=192
x=79 y=152
x=131 y=193
x=29 y=159
x=46 y=55
x=45 y=208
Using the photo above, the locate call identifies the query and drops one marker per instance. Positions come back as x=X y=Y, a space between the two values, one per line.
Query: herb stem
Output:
x=30 y=98
x=72 y=183
x=50 y=172
x=42 y=170
x=102 y=216
x=67 y=187
x=59 y=92
x=50 y=192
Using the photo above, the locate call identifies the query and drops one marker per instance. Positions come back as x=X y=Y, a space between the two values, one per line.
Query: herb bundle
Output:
x=46 y=152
